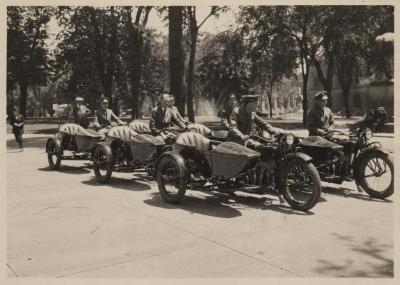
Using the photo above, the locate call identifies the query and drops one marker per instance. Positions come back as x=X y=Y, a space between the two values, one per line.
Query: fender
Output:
x=281 y=167
x=179 y=160
x=372 y=149
x=107 y=150
x=299 y=155
x=56 y=141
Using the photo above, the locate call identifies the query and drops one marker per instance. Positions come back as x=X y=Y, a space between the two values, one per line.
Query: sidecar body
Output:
x=222 y=159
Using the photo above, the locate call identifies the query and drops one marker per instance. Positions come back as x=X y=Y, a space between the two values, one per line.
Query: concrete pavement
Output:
x=65 y=224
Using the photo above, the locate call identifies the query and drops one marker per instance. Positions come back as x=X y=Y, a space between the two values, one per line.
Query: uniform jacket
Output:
x=104 y=119
x=319 y=120
x=243 y=123
x=161 y=119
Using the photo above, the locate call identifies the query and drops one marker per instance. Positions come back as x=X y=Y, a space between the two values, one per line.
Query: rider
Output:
x=162 y=117
x=81 y=112
x=320 y=118
x=105 y=117
x=175 y=109
x=226 y=114
x=244 y=120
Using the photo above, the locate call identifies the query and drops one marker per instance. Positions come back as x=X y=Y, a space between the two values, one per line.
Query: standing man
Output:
x=175 y=109
x=162 y=117
x=320 y=118
x=244 y=120
x=105 y=117
x=81 y=112
x=17 y=123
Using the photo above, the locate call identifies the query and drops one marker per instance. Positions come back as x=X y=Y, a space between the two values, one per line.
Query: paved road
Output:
x=65 y=224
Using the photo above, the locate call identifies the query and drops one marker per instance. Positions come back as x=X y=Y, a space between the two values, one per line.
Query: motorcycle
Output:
x=353 y=158
x=71 y=142
x=199 y=163
x=129 y=148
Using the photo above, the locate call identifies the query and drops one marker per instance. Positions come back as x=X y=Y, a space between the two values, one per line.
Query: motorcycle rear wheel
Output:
x=296 y=194
x=370 y=166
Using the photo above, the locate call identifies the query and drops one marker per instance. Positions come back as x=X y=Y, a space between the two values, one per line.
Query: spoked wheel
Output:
x=53 y=155
x=102 y=165
x=171 y=180
x=302 y=184
x=376 y=175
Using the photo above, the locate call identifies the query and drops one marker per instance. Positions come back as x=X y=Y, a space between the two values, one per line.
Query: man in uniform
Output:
x=226 y=114
x=244 y=120
x=319 y=117
x=175 y=109
x=105 y=117
x=162 y=117
x=81 y=112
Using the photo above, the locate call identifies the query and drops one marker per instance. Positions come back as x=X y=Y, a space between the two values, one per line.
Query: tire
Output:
x=102 y=161
x=169 y=167
x=291 y=194
x=53 y=155
x=365 y=165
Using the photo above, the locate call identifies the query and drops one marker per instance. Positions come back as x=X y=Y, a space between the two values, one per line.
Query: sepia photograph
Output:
x=174 y=142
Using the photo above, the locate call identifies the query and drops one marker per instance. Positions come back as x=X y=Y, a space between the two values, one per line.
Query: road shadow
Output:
x=67 y=169
x=222 y=205
x=36 y=142
x=349 y=193
x=119 y=183
x=370 y=248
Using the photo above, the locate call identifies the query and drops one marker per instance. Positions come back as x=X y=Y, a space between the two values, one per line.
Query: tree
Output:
x=302 y=23
x=27 y=59
x=194 y=28
x=89 y=50
x=134 y=52
x=176 y=55
x=223 y=67
x=272 y=54
x=359 y=27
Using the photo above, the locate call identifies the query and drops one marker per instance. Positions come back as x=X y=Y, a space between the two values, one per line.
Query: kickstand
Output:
x=359 y=188
x=281 y=200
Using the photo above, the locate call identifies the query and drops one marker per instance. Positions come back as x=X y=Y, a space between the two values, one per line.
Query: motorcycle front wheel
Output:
x=376 y=173
x=171 y=180
x=101 y=165
x=301 y=184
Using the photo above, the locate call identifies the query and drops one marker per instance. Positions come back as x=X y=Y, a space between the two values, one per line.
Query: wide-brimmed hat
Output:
x=104 y=100
x=79 y=99
x=249 y=98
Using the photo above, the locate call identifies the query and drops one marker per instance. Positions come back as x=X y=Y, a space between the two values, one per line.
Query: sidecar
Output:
x=125 y=150
x=73 y=138
x=195 y=159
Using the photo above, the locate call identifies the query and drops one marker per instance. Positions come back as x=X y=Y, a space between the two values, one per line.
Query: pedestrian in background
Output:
x=17 y=123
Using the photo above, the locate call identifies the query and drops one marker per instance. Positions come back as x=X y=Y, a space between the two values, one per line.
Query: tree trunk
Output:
x=346 y=95
x=327 y=80
x=305 y=97
x=176 y=56
x=23 y=88
x=190 y=76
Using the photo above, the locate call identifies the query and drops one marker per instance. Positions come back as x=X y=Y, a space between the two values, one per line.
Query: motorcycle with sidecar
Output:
x=273 y=166
x=71 y=142
x=129 y=148
x=352 y=156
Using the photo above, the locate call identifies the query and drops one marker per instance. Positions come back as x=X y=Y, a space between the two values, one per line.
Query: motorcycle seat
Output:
x=139 y=127
x=193 y=139
x=121 y=132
